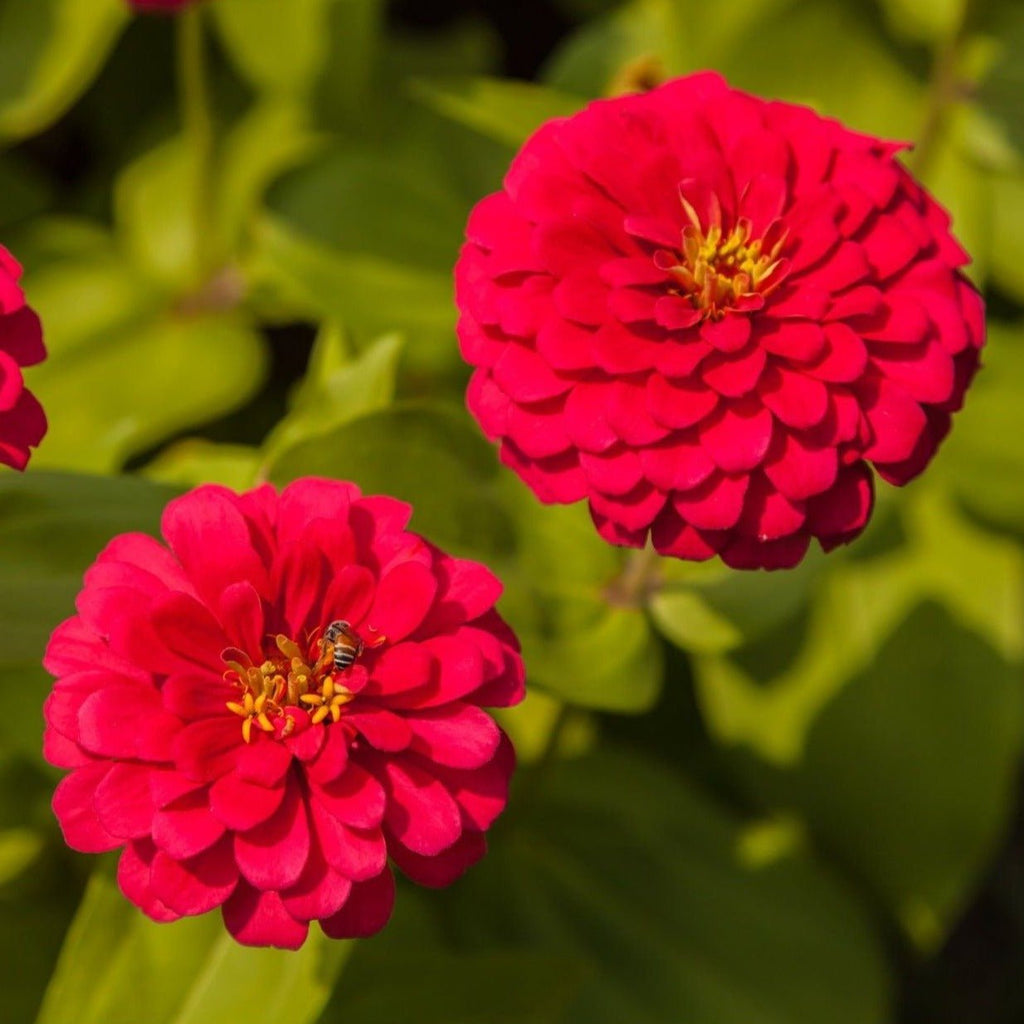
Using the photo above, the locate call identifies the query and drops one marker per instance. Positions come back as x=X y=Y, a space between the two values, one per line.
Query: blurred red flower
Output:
x=708 y=315
x=248 y=756
x=22 y=421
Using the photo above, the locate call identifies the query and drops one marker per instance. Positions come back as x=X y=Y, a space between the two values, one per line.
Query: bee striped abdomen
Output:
x=347 y=646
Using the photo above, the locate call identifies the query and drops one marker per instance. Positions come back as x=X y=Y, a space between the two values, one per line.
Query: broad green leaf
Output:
x=530 y=725
x=278 y=47
x=157 y=207
x=670 y=36
x=580 y=642
x=826 y=54
x=269 y=140
x=927 y=21
x=709 y=609
x=893 y=712
x=505 y=110
x=617 y=862
x=767 y=694
x=444 y=988
x=427 y=455
x=198 y=461
x=982 y=461
x=115 y=960
x=123 y=370
x=52 y=526
x=19 y=847
x=1000 y=91
x=368 y=293
x=170 y=229
x=50 y=50
x=1008 y=240
x=345 y=91
x=333 y=395
x=912 y=770
x=367 y=203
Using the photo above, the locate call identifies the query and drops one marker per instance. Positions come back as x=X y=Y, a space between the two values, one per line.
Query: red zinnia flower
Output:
x=708 y=314
x=251 y=753
x=22 y=421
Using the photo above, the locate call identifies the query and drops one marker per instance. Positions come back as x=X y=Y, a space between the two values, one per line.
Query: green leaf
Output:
x=52 y=526
x=370 y=294
x=333 y=395
x=674 y=36
x=123 y=370
x=19 y=847
x=504 y=110
x=767 y=694
x=925 y=21
x=115 y=961
x=278 y=47
x=892 y=711
x=618 y=863
x=198 y=461
x=982 y=461
x=156 y=204
x=577 y=642
x=427 y=455
x=826 y=54
x=912 y=770
x=497 y=987
x=368 y=203
x=1008 y=239
x=1000 y=92
x=709 y=609
x=50 y=50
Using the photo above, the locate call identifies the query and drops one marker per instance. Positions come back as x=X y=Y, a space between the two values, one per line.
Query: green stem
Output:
x=197 y=121
x=944 y=89
x=637 y=581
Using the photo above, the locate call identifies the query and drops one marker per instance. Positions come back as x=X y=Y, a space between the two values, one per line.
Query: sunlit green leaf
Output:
x=504 y=110
x=49 y=52
x=197 y=461
x=331 y=396
x=619 y=863
x=581 y=642
x=51 y=527
x=426 y=455
x=124 y=371
x=116 y=961
x=371 y=294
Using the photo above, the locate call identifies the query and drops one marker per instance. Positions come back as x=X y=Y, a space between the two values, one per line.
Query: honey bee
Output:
x=347 y=646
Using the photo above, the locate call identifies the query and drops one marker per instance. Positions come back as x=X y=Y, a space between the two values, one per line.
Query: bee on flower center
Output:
x=347 y=645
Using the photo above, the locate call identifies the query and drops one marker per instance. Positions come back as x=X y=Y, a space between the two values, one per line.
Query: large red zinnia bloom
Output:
x=22 y=421
x=709 y=315
x=243 y=759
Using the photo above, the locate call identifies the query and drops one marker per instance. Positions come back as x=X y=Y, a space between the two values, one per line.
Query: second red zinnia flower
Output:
x=268 y=709
x=22 y=420
x=709 y=316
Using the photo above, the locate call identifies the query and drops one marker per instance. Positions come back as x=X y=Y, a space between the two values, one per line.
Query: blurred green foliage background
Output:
x=789 y=798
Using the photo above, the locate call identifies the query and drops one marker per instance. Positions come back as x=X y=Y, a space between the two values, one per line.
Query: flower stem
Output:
x=637 y=581
x=197 y=122
x=944 y=89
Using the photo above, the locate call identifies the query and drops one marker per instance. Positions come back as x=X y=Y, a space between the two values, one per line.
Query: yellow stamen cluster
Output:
x=289 y=679
x=329 y=701
x=720 y=268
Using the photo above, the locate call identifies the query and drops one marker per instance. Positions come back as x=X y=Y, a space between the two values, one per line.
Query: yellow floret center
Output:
x=288 y=678
x=718 y=268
